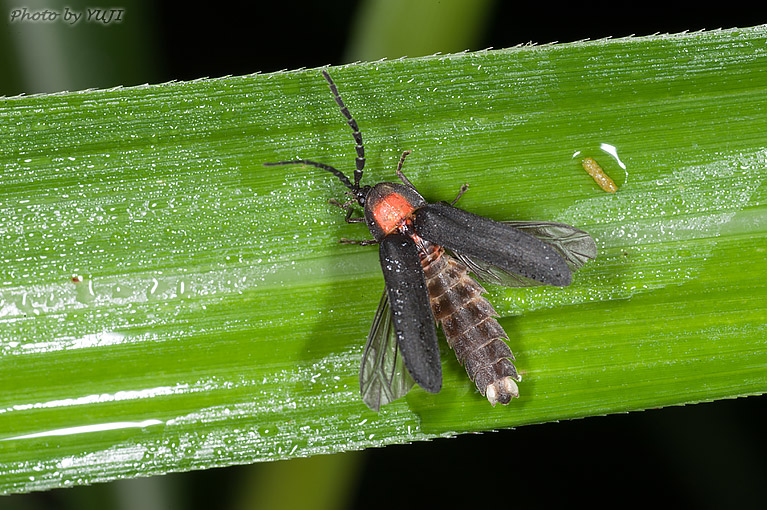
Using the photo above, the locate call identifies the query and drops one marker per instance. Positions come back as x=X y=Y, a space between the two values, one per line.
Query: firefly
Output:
x=427 y=253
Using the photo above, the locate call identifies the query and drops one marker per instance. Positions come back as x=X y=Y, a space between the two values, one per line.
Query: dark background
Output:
x=707 y=455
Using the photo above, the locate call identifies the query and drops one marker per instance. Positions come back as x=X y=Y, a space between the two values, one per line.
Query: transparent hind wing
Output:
x=488 y=273
x=383 y=376
x=574 y=245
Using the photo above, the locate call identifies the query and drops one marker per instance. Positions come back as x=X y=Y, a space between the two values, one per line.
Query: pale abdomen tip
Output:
x=502 y=390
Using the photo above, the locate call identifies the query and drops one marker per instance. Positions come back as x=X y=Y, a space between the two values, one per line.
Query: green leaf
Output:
x=168 y=303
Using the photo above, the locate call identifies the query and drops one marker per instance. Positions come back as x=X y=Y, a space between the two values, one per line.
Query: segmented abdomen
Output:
x=467 y=319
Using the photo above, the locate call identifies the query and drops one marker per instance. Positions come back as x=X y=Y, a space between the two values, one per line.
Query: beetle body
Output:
x=427 y=251
x=456 y=300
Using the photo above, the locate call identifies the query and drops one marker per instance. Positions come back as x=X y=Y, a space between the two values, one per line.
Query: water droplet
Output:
x=84 y=290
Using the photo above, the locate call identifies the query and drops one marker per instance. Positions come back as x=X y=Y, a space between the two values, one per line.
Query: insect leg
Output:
x=400 y=174
x=360 y=148
x=461 y=191
x=347 y=206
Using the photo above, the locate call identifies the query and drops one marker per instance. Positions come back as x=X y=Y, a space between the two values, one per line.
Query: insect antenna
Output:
x=360 y=147
x=338 y=173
